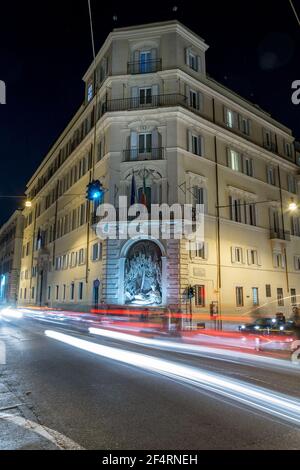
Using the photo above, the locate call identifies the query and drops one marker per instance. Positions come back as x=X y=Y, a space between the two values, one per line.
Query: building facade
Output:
x=11 y=240
x=172 y=134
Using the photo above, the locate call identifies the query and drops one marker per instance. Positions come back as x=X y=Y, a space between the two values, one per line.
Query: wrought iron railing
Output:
x=128 y=104
x=137 y=154
x=147 y=66
x=280 y=235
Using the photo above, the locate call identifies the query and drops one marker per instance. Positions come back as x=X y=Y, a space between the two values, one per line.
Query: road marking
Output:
x=61 y=441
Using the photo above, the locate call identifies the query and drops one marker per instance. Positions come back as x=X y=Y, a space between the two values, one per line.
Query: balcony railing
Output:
x=128 y=104
x=135 y=155
x=280 y=235
x=148 y=66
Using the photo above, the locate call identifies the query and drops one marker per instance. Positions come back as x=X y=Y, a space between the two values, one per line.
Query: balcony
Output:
x=148 y=66
x=129 y=104
x=280 y=235
x=137 y=155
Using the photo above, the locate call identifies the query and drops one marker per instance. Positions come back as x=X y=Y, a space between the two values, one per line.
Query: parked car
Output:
x=267 y=325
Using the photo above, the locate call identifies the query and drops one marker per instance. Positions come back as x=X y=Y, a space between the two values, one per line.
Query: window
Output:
x=297 y=262
x=73 y=259
x=192 y=61
x=145 y=142
x=197 y=145
x=200 y=296
x=237 y=254
x=49 y=292
x=230 y=118
x=279 y=261
x=200 y=196
x=255 y=297
x=252 y=257
x=145 y=62
x=96 y=251
x=65 y=261
x=293 y=297
x=235 y=209
x=198 y=250
x=292 y=184
x=248 y=166
x=268 y=291
x=58 y=263
x=72 y=291
x=287 y=149
x=90 y=92
x=234 y=160
x=195 y=99
x=80 y=291
x=64 y=292
x=271 y=175
x=32 y=292
x=295 y=226
x=81 y=257
x=244 y=125
x=57 y=293
x=250 y=216
x=239 y=293
x=267 y=139
x=146 y=95
x=82 y=217
x=274 y=220
x=280 y=299
x=25 y=293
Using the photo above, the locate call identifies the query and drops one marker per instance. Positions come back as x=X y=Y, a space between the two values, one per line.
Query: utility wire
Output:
x=295 y=12
x=92 y=30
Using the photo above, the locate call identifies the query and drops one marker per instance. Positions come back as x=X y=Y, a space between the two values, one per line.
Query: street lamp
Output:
x=293 y=206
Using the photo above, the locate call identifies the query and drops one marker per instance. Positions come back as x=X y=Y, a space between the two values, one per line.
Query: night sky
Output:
x=45 y=49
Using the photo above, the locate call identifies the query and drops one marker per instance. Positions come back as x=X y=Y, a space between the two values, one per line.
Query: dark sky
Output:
x=45 y=49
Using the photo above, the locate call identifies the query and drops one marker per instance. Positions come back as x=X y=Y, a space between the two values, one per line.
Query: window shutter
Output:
x=187 y=52
x=231 y=207
x=296 y=263
x=199 y=101
x=134 y=92
x=249 y=127
x=225 y=114
x=187 y=94
x=201 y=145
x=206 y=250
x=155 y=143
x=189 y=141
x=154 y=55
x=228 y=153
x=133 y=140
x=233 y=254
x=155 y=90
x=199 y=64
x=259 y=262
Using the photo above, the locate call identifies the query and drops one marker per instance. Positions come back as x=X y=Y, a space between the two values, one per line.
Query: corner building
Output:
x=186 y=139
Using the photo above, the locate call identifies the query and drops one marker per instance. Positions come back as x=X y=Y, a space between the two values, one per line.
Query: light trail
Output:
x=228 y=355
x=278 y=405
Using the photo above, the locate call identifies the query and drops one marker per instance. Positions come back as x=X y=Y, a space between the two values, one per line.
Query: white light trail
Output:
x=11 y=313
x=275 y=404
x=208 y=351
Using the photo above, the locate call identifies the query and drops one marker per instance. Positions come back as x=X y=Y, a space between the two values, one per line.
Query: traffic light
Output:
x=94 y=191
x=191 y=292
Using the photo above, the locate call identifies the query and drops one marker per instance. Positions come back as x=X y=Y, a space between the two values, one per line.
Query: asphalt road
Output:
x=54 y=395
